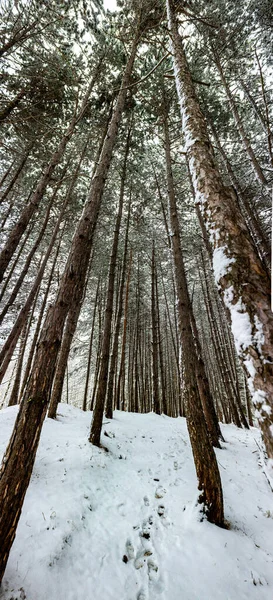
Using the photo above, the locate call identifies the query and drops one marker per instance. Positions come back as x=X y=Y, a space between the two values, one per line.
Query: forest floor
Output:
x=124 y=525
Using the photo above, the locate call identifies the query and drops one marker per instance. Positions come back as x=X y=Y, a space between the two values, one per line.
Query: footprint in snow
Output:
x=161 y=510
x=146 y=501
x=152 y=570
x=160 y=492
x=130 y=551
x=141 y=595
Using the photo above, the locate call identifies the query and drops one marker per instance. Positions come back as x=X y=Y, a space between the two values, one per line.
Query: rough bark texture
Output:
x=209 y=482
x=244 y=283
x=20 y=454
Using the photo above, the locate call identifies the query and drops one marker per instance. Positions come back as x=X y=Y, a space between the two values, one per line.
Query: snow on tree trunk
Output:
x=238 y=270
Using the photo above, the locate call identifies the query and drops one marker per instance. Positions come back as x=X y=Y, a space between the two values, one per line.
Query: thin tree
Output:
x=20 y=454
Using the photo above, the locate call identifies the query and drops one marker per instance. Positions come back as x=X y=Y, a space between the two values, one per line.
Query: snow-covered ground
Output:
x=123 y=525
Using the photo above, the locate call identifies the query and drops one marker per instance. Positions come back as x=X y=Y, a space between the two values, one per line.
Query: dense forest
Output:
x=136 y=189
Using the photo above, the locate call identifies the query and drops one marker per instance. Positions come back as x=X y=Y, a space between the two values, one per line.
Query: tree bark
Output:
x=114 y=356
x=96 y=425
x=39 y=322
x=119 y=395
x=243 y=281
x=13 y=399
x=209 y=482
x=20 y=454
x=84 y=403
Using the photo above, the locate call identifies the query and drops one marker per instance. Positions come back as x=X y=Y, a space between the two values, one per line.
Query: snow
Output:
x=221 y=263
x=124 y=525
x=240 y=321
x=259 y=335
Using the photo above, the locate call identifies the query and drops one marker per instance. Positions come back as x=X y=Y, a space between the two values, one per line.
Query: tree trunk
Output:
x=30 y=208
x=9 y=345
x=15 y=262
x=16 y=174
x=209 y=482
x=96 y=426
x=254 y=226
x=119 y=396
x=246 y=142
x=156 y=403
x=20 y=455
x=90 y=348
x=114 y=356
x=13 y=399
x=25 y=268
x=39 y=322
x=238 y=271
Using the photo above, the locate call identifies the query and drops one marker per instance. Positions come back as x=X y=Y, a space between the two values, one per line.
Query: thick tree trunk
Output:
x=70 y=326
x=209 y=482
x=238 y=271
x=20 y=455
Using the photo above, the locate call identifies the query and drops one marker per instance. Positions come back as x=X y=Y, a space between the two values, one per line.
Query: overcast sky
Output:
x=110 y=4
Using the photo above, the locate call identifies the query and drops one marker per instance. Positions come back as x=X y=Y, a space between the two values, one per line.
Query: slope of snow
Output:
x=123 y=525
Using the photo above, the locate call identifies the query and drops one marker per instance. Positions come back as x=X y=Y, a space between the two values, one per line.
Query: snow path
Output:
x=123 y=525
